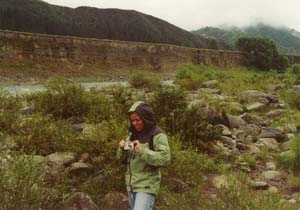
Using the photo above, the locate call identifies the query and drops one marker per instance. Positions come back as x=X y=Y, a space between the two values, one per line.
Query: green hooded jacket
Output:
x=143 y=170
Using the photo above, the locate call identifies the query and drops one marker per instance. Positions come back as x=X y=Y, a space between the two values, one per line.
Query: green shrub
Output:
x=296 y=68
x=187 y=162
x=293 y=99
x=142 y=80
x=62 y=99
x=122 y=100
x=262 y=53
x=22 y=184
x=100 y=107
x=292 y=160
x=101 y=141
x=190 y=77
x=239 y=196
x=9 y=111
x=168 y=104
x=196 y=129
x=41 y=135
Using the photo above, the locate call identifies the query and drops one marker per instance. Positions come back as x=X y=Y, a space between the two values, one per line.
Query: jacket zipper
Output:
x=130 y=173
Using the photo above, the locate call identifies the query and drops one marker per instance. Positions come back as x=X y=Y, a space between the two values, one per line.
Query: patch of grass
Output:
x=144 y=80
x=292 y=160
x=42 y=135
x=250 y=160
x=239 y=196
x=22 y=184
x=9 y=111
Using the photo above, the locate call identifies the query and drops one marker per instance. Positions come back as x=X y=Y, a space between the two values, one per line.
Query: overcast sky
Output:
x=194 y=14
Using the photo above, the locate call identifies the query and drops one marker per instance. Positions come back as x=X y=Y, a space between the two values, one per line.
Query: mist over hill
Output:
x=40 y=17
x=287 y=40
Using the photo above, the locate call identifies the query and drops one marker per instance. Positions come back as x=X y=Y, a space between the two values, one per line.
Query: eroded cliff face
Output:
x=16 y=47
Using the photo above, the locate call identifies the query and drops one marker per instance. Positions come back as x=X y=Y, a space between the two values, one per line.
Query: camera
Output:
x=128 y=145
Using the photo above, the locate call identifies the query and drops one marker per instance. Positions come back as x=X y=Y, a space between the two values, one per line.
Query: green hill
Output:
x=40 y=17
x=287 y=40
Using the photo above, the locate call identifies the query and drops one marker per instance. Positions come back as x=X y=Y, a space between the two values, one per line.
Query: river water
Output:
x=26 y=89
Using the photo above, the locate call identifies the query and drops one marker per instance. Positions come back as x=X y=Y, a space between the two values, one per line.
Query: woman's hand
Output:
x=122 y=144
x=137 y=146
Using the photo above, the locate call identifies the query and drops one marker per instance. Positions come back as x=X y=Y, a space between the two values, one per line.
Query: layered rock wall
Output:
x=19 y=47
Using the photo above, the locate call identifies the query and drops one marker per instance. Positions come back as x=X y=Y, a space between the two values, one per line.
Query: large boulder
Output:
x=235 y=121
x=275 y=133
x=80 y=168
x=259 y=96
x=61 y=158
x=269 y=143
x=255 y=119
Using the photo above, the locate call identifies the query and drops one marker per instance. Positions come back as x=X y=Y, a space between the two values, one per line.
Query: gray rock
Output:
x=227 y=140
x=242 y=146
x=79 y=127
x=272 y=175
x=276 y=87
x=274 y=113
x=275 y=133
x=225 y=130
x=210 y=84
x=80 y=201
x=235 y=107
x=286 y=145
x=259 y=185
x=271 y=166
x=61 y=158
x=273 y=190
x=256 y=106
x=209 y=91
x=28 y=110
x=292 y=201
x=269 y=143
x=249 y=139
x=258 y=96
x=8 y=143
x=296 y=89
x=235 y=121
x=253 y=150
x=255 y=119
x=251 y=129
x=220 y=182
x=289 y=154
x=80 y=167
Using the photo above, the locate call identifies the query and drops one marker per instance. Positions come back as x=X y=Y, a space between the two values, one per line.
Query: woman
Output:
x=150 y=152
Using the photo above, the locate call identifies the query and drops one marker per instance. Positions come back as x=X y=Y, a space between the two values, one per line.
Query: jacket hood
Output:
x=145 y=111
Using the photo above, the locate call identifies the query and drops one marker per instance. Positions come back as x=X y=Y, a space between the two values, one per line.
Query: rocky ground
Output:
x=251 y=143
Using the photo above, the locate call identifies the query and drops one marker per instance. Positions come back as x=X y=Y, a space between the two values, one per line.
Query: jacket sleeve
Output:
x=161 y=155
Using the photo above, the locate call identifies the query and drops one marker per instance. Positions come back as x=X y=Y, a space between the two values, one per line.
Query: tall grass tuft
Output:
x=22 y=184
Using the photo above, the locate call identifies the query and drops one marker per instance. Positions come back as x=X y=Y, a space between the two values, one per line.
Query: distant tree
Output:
x=263 y=53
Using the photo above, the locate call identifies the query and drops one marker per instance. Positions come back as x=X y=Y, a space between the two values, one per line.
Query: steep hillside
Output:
x=128 y=25
x=287 y=40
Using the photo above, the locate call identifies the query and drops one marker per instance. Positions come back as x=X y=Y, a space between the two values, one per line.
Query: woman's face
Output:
x=136 y=121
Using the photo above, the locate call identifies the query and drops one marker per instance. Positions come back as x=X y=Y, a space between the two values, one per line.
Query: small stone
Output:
x=272 y=175
x=220 y=182
x=255 y=106
x=271 y=166
x=273 y=189
x=259 y=185
x=292 y=201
